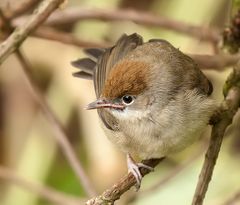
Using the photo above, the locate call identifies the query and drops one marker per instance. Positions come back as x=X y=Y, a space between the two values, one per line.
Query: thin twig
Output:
x=48 y=193
x=67 y=38
x=218 y=62
x=227 y=110
x=20 y=34
x=114 y=193
x=233 y=200
x=72 y=15
x=60 y=133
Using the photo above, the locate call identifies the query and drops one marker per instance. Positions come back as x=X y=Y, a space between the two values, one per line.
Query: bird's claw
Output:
x=134 y=168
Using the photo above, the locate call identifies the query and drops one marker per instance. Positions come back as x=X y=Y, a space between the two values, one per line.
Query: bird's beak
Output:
x=103 y=104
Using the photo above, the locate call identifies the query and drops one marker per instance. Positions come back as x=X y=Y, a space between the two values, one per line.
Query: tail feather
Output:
x=85 y=64
x=84 y=75
x=94 y=52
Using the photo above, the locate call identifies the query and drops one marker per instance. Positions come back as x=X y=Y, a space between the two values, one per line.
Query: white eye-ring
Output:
x=127 y=99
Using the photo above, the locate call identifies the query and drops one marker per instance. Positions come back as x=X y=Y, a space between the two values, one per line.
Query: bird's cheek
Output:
x=120 y=114
x=148 y=101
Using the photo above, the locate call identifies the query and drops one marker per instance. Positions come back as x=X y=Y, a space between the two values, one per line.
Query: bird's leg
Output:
x=133 y=167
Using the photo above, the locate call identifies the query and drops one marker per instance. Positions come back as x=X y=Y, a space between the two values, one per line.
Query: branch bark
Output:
x=227 y=111
x=20 y=34
x=114 y=193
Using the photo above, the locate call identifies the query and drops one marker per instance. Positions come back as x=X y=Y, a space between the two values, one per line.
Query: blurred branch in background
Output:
x=60 y=134
x=67 y=38
x=218 y=61
x=21 y=33
x=48 y=193
x=22 y=8
x=233 y=200
x=12 y=44
x=73 y=15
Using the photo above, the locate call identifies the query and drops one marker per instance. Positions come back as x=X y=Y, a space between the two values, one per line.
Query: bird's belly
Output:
x=149 y=140
x=145 y=144
x=167 y=131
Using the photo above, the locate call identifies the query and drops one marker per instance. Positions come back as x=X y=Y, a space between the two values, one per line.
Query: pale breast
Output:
x=166 y=131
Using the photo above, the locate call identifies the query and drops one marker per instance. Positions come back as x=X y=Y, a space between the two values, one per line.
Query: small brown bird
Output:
x=152 y=99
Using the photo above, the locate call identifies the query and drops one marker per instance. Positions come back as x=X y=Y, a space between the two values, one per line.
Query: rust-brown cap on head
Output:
x=126 y=78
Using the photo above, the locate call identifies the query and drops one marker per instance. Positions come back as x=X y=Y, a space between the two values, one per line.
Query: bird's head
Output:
x=125 y=89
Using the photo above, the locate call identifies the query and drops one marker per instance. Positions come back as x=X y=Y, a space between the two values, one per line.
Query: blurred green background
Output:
x=26 y=142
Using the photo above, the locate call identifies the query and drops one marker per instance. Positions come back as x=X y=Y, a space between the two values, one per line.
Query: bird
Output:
x=152 y=99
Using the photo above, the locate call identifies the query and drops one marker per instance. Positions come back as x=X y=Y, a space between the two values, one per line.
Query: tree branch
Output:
x=227 y=111
x=218 y=61
x=20 y=34
x=60 y=133
x=114 y=193
x=43 y=191
x=72 y=15
x=67 y=38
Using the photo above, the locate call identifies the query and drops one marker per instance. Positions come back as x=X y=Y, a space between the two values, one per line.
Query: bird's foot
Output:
x=134 y=168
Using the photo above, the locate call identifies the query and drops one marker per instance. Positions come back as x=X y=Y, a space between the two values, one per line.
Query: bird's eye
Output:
x=127 y=99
